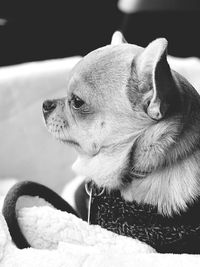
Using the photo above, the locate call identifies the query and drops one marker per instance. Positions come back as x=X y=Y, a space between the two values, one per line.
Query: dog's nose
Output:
x=48 y=106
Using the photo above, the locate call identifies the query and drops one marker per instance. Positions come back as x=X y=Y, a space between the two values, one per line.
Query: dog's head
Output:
x=116 y=99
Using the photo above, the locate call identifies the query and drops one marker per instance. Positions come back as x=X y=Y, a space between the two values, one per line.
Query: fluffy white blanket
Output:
x=60 y=239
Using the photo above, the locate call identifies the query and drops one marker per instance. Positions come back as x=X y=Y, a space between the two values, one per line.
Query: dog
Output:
x=135 y=124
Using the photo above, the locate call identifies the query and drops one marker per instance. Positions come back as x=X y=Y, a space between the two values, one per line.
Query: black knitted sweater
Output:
x=177 y=234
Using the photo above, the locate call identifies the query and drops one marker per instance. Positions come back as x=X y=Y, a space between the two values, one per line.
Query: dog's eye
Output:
x=76 y=102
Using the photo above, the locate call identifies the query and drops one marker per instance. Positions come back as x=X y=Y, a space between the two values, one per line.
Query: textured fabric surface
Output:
x=61 y=239
x=178 y=234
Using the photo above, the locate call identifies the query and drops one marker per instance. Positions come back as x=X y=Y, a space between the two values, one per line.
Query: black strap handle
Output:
x=28 y=188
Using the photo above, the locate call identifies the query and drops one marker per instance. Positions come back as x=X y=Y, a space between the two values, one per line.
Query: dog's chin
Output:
x=60 y=136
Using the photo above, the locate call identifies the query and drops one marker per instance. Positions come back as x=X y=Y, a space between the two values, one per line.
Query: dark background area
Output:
x=38 y=30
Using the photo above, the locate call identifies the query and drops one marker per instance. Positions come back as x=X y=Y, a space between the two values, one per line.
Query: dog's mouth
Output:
x=70 y=142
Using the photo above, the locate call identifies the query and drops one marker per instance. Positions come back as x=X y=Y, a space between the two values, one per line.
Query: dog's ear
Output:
x=152 y=68
x=118 y=38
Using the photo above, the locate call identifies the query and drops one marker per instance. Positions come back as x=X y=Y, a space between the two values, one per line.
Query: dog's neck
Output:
x=105 y=168
x=173 y=159
x=170 y=189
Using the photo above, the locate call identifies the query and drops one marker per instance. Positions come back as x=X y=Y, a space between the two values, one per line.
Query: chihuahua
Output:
x=134 y=122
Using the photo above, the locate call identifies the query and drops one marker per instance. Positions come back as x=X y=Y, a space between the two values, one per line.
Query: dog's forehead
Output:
x=110 y=64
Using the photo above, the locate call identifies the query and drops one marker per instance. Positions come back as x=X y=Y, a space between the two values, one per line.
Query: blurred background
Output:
x=52 y=34
x=35 y=30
